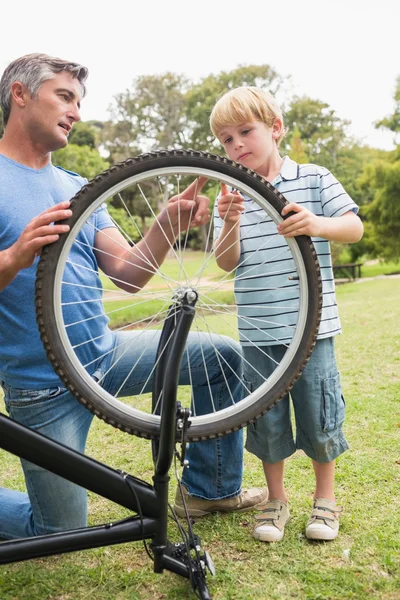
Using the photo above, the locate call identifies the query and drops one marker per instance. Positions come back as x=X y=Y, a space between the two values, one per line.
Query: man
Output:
x=40 y=97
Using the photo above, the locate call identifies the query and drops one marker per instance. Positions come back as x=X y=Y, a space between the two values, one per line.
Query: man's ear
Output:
x=19 y=94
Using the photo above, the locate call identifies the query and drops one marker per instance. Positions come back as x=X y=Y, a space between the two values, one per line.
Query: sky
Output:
x=345 y=53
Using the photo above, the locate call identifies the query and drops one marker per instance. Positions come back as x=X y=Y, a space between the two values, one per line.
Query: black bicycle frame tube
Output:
x=161 y=360
x=76 y=467
x=90 y=474
x=129 y=530
x=170 y=386
x=168 y=429
x=162 y=357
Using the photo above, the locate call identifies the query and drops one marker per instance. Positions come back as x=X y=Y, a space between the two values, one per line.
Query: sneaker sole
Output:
x=193 y=513
x=321 y=534
x=265 y=537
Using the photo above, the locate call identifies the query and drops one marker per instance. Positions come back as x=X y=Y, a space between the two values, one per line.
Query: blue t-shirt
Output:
x=24 y=194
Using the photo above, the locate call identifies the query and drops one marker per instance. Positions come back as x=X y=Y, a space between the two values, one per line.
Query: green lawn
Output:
x=362 y=563
x=133 y=308
x=380 y=268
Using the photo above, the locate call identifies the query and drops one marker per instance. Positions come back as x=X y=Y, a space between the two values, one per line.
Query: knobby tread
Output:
x=48 y=262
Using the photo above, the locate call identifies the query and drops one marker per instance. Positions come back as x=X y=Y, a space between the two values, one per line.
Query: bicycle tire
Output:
x=91 y=395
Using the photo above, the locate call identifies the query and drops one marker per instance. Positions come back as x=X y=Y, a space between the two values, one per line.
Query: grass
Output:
x=362 y=563
x=380 y=268
x=133 y=308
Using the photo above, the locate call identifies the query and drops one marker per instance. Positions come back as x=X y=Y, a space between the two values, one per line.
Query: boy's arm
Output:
x=347 y=228
x=227 y=245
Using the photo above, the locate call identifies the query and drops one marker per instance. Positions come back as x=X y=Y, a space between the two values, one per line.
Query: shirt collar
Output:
x=289 y=170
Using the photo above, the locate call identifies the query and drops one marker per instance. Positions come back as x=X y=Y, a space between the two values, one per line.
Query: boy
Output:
x=249 y=125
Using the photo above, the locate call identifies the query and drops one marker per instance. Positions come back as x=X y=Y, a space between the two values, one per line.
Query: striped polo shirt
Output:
x=267 y=295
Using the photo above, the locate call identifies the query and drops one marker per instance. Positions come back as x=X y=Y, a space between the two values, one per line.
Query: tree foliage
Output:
x=392 y=121
x=83 y=134
x=150 y=115
x=322 y=133
x=83 y=160
x=384 y=211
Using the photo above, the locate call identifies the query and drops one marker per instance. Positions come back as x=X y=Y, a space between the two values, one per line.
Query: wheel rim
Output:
x=118 y=189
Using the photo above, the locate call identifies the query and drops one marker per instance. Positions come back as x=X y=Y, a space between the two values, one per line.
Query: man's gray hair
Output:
x=32 y=70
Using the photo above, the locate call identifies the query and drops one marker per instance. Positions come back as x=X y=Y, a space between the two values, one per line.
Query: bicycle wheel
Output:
x=134 y=191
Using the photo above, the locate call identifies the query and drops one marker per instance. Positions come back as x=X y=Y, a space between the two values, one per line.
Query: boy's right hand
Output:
x=230 y=205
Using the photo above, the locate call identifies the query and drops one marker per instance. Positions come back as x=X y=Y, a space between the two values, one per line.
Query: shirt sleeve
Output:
x=335 y=201
x=103 y=219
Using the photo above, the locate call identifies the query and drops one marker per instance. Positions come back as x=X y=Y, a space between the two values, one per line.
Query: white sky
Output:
x=343 y=52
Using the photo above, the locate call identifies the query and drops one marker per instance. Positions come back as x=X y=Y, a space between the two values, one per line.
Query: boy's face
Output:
x=252 y=144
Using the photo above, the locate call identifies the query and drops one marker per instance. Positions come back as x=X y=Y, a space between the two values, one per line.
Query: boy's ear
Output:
x=277 y=128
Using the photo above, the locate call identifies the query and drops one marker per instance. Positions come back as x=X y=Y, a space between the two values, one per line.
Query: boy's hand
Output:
x=188 y=209
x=303 y=222
x=230 y=205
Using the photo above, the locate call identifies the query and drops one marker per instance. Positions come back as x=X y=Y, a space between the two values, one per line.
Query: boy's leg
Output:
x=324 y=480
x=52 y=504
x=320 y=410
x=274 y=476
x=324 y=521
x=271 y=439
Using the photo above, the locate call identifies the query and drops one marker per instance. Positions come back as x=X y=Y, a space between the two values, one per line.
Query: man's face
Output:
x=49 y=116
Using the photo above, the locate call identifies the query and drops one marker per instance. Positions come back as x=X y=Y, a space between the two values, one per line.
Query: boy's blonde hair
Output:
x=242 y=105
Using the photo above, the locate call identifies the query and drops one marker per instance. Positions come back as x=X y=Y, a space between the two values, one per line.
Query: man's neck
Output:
x=23 y=152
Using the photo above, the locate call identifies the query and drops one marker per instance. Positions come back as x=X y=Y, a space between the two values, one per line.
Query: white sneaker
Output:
x=324 y=521
x=271 y=520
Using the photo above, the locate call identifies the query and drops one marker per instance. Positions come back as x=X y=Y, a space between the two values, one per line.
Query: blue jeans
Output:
x=215 y=466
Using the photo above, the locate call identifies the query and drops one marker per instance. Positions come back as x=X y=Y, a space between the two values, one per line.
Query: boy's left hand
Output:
x=302 y=222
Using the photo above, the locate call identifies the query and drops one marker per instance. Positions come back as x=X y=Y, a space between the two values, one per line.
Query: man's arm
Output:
x=39 y=232
x=132 y=267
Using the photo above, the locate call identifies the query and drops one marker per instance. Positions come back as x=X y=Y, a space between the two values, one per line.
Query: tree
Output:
x=83 y=160
x=298 y=147
x=392 y=122
x=322 y=132
x=150 y=115
x=83 y=134
x=384 y=211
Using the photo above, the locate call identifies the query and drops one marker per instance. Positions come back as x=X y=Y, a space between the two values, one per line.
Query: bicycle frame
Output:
x=121 y=488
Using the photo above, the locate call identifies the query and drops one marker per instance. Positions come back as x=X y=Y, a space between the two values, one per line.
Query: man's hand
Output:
x=36 y=234
x=230 y=205
x=303 y=222
x=186 y=210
